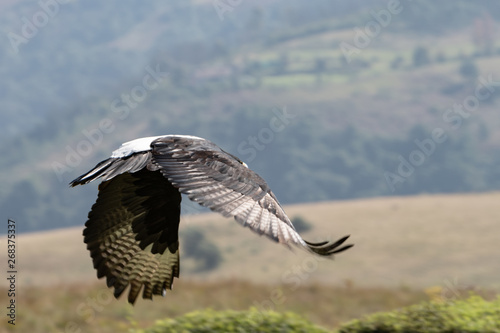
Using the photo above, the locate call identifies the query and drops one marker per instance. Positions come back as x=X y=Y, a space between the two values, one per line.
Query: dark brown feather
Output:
x=132 y=233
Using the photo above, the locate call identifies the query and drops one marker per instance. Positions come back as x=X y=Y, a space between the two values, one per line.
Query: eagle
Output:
x=132 y=228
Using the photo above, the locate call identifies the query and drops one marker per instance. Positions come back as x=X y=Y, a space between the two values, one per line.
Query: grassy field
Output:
x=417 y=241
x=407 y=249
x=90 y=307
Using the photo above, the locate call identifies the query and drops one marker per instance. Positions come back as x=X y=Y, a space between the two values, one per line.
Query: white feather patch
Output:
x=143 y=144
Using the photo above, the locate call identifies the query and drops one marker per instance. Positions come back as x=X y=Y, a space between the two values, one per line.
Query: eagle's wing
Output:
x=132 y=233
x=220 y=181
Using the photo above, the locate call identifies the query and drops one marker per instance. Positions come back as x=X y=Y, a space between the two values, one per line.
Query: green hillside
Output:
x=270 y=83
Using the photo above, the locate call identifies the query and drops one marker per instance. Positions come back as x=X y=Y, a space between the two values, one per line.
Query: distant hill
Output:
x=420 y=241
x=99 y=74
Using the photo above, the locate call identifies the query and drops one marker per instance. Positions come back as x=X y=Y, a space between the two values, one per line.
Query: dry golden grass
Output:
x=92 y=308
x=417 y=241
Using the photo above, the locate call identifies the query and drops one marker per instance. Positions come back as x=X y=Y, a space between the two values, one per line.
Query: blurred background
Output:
x=377 y=119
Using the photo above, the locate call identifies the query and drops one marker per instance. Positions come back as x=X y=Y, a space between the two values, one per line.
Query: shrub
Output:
x=300 y=224
x=235 y=321
x=210 y=256
x=420 y=56
x=471 y=315
x=468 y=69
x=397 y=62
x=281 y=64
x=205 y=252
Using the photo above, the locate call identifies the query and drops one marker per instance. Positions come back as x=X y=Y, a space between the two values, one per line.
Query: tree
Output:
x=397 y=62
x=319 y=68
x=300 y=224
x=420 y=56
x=281 y=65
x=468 y=69
x=178 y=76
x=440 y=57
x=484 y=33
x=206 y=253
x=254 y=24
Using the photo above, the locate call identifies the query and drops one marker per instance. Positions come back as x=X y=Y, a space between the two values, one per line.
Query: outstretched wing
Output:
x=220 y=181
x=132 y=233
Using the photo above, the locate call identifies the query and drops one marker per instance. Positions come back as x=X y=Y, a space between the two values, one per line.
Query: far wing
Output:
x=132 y=233
x=218 y=180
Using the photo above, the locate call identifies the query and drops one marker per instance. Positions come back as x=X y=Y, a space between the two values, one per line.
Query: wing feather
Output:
x=132 y=233
x=220 y=181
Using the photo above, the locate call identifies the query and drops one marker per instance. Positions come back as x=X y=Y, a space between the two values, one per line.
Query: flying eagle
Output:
x=132 y=229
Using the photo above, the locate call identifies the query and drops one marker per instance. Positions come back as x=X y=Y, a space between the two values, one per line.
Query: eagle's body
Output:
x=132 y=229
